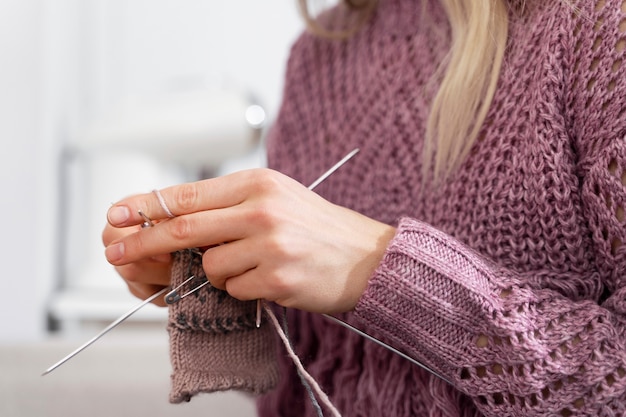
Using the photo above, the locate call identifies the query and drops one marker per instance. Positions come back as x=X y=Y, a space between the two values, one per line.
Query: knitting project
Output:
x=507 y=278
x=214 y=342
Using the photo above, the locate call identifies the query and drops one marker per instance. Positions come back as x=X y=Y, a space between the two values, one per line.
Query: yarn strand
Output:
x=307 y=386
x=296 y=360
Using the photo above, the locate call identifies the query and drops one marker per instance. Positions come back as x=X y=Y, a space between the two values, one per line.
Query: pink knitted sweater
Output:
x=509 y=277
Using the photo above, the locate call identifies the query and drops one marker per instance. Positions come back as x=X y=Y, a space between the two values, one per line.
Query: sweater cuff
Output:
x=429 y=297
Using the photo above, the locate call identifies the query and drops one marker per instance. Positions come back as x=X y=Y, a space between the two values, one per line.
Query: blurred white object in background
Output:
x=195 y=129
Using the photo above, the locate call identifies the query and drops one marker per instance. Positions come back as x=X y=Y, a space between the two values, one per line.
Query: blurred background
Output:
x=100 y=99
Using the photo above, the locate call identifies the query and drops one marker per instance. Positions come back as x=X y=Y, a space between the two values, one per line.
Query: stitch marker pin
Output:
x=147 y=221
x=194 y=282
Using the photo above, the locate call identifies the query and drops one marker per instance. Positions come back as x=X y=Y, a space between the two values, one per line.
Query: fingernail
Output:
x=118 y=215
x=115 y=252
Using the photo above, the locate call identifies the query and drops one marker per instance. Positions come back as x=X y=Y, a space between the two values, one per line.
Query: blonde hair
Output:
x=470 y=75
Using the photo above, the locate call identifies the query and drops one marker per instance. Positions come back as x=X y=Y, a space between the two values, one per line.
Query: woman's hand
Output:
x=267 y=236
x=144 y=277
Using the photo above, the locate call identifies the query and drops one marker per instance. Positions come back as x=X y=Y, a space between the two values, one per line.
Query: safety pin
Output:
x=174 y=296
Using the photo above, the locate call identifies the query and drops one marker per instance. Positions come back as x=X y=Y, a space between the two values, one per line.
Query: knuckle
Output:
x=280 y=285
x=265 y=180
x=278 y=246
x=209 y=265
x=234 y=290
x=265 y=208
x=263 y=214
x=186 y=197
x=136 y=243
x=181 y=228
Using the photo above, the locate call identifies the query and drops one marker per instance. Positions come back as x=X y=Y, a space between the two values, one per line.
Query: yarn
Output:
x=310 y=381
x=162 y=203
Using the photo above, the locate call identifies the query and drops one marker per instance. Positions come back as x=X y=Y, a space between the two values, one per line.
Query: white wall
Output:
x=133 y=46
x=65 y=62
x=20 y=130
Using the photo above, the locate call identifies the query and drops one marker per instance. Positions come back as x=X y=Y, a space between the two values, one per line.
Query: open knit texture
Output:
x=507 y=278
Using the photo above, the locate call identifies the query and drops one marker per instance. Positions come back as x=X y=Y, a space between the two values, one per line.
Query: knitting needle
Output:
x=386 y=346
x=105 y=331
x=315 y=183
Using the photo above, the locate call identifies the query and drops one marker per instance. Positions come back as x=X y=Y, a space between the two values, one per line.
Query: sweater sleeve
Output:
x=516 y=350
x=514 y=347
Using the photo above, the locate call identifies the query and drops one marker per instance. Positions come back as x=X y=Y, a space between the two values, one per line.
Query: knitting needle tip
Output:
x=258 y=313
x=106 y=330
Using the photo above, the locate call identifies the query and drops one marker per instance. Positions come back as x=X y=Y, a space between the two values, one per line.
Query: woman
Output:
x=479 y=230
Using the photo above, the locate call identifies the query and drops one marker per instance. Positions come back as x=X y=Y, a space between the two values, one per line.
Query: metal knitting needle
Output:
x=259 y=307
x=105 y=331
x=174 y=295
x=386 y=346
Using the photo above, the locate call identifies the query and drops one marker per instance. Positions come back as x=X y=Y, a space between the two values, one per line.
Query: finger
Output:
x=110 y=233
x=243 y=287
x=223 y=262
x=251 y=285
x=206 y=228
x=214 y=193
x=147 y=272
x=144 y=291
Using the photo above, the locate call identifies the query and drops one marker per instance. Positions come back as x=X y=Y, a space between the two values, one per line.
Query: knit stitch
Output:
x=214 y=342
x=507 y=278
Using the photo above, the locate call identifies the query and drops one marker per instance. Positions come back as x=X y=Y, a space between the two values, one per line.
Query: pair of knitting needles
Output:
x=172 y=295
